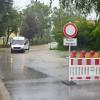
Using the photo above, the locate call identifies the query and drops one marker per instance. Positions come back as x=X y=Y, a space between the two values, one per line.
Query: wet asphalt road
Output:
x=25 y=82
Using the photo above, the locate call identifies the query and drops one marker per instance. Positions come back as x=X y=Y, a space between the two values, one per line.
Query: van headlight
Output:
x=22 y=46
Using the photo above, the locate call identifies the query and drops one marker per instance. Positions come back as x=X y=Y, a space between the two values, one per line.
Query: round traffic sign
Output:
x=70 y=30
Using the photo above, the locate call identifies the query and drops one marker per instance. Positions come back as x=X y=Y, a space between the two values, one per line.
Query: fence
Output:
x=84 y=68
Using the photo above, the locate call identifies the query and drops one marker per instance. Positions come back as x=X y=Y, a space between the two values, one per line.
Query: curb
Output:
x=4 y=92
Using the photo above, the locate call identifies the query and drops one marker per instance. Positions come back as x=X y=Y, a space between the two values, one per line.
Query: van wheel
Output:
x=23 y=51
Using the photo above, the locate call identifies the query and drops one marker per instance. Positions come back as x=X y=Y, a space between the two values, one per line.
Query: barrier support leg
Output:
x=69 y=82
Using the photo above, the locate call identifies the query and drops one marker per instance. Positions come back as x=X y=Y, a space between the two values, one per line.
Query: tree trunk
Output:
x=8 y=34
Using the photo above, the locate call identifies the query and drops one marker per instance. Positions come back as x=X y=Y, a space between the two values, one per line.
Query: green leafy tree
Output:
x=95 y=37
x=5 y=7
x=8 y=18
x=29 y=27
x=13 y=22
x=84 y=35
x=59 y=18
x=41 y=13
x=88 y=33
x=86 y=30
x=84 y=6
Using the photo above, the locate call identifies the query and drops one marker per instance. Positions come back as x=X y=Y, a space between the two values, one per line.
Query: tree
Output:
x=59 y=18
x=29 y=27
x=87 y=32
x=95 y=37
x=5 y=7
x=8 y=16
x=84 y=6
x=40 y=12
x=13 y=22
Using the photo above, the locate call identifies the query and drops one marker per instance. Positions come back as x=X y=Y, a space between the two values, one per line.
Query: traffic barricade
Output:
x=73 y=55
x=86 y=69
x=91 y=55
x=82 y=55
x=83 y=71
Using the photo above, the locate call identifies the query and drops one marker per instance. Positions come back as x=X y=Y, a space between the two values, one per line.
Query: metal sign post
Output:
x=69 y=51
x=70 y=31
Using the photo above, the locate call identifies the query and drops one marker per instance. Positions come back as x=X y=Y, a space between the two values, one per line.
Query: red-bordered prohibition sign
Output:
x=70 y=30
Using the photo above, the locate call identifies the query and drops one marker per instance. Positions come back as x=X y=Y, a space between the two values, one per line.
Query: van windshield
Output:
x=21 y=42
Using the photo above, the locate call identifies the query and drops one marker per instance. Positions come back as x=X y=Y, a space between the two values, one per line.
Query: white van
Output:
x=19 y=44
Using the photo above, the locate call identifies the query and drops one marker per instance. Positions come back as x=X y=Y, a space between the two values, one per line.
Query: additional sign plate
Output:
x=70 y=30
x=70 y=42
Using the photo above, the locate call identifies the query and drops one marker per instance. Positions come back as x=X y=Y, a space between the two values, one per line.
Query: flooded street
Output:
x=35 y=74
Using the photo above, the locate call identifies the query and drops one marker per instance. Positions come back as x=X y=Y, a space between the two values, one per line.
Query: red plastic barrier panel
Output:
x=88 y=61
x=97 y=61
x=79 y=61
x=71 y=61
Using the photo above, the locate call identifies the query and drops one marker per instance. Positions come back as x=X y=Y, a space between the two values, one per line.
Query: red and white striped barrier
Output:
x=84 y=68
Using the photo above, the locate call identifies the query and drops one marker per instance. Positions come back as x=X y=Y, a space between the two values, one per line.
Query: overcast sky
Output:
x=20 y=4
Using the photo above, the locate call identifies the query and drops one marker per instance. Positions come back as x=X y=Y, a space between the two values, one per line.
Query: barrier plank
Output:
x=84 y=69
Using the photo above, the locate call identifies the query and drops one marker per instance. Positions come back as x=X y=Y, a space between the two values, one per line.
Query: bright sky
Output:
x=20 y=4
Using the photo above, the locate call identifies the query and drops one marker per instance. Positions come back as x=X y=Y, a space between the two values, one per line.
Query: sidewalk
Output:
x=4 y=94
x=1 y=97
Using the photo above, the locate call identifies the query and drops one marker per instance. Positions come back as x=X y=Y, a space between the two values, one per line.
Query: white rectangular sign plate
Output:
x=70 y=42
